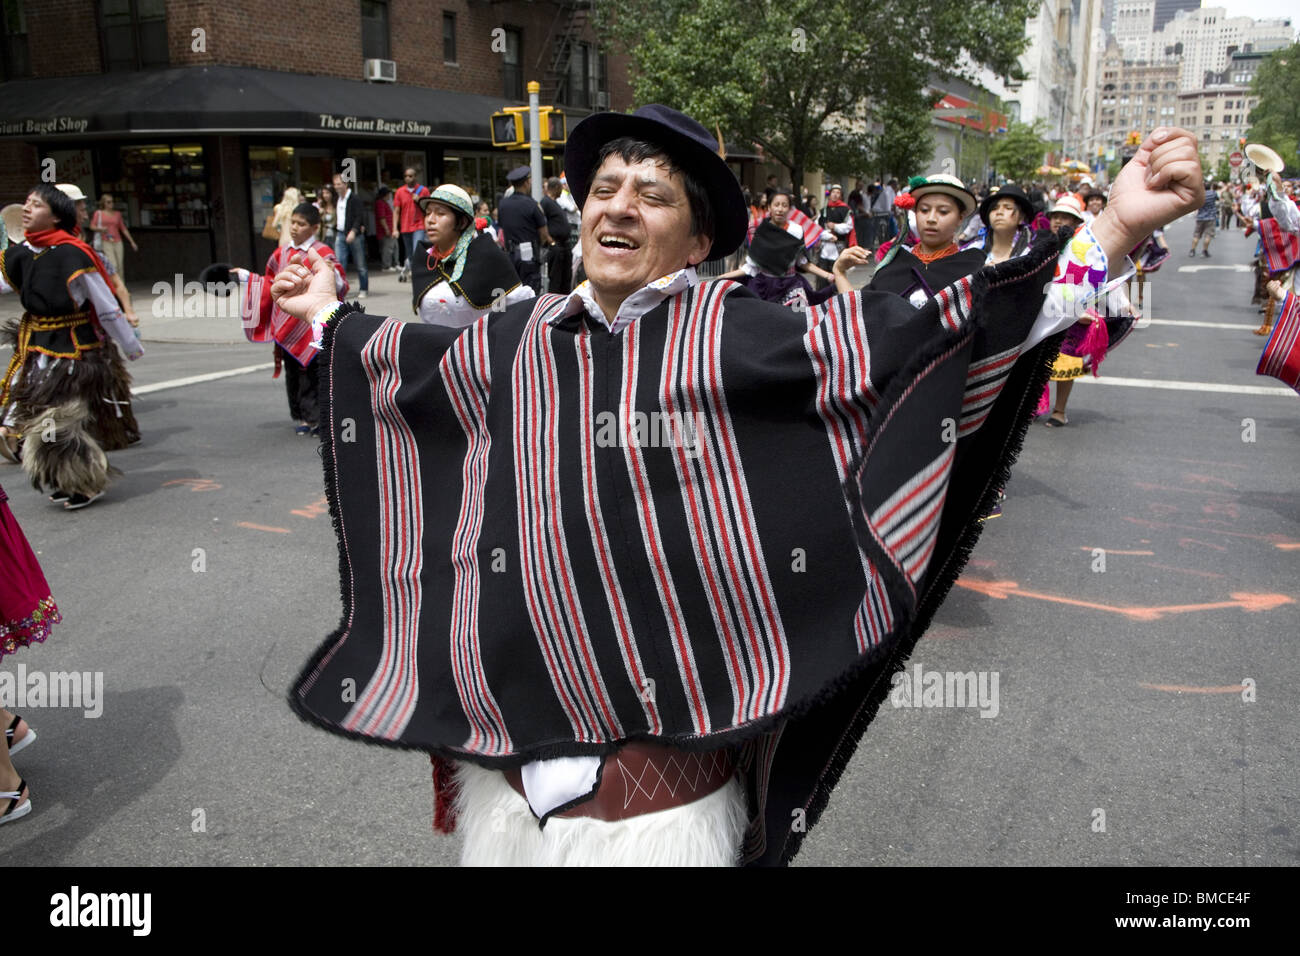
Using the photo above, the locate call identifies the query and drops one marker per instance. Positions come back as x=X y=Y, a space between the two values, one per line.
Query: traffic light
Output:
x=554 y=129
x=508 y=128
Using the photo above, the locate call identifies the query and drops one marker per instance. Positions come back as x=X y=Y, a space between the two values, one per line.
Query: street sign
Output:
x=1236 y=159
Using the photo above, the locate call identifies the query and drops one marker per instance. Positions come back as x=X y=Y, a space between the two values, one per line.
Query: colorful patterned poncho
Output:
x=724 y=526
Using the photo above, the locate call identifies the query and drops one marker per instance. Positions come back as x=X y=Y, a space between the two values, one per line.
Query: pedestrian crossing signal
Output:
x=510 y=127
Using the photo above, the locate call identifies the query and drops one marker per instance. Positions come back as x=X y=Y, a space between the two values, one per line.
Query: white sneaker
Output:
x=361 y=294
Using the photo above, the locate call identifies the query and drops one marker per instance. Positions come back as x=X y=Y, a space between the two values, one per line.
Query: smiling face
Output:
x=37 y=214
x=1004 y=217
x=1095 y=204
x=937 y=219
x=636 y=227
x=440 y=225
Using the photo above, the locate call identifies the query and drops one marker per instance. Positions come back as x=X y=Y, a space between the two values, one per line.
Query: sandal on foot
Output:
x=15 y=810
x=28 y=738
x=1054 y=422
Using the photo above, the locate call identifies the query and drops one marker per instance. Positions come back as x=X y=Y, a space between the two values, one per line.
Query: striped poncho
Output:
x=722 y=526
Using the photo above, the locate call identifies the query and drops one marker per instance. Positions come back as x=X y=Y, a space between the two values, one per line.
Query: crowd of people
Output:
x=541 y=713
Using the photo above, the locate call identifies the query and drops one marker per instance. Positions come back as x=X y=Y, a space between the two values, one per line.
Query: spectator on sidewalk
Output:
x=108 y=223
x=560 y=260
x=350 y=221
x=410 y=220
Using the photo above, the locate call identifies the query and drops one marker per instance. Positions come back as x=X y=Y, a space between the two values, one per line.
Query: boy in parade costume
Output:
x=602 y=640
x=56 y=393
x=264 y=321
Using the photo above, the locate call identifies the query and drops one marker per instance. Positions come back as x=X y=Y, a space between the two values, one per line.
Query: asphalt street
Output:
x=1136 y=605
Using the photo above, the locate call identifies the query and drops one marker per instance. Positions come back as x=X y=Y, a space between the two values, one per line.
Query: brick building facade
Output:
x=196 y=114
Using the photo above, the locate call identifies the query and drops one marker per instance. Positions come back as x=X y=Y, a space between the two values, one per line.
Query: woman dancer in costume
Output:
x=458 y=276
x=1006 y=214
x=27 y=612
x=62 y=375
x=776 y=257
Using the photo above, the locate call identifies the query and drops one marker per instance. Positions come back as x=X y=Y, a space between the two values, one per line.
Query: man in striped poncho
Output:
x=634 y=564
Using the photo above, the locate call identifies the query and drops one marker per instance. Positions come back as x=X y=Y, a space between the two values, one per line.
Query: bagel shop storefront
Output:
x=197 y=157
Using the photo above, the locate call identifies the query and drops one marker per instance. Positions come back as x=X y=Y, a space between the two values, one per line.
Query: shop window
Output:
x=511 y=69
x=158 y=187
x=14 y=61
x=134 y=34
x=374 y=30
x=449 y=38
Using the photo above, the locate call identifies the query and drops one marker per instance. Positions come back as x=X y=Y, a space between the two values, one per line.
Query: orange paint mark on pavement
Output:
x=261 y=527
x=1247 y=602
x=1204 y=574
x=315 y=509
x=1288 y=546
x=1208 y=480
x=194 y=484
x=1152 y=486
x=1185 y=689
x=1166 y=526
x=1113 y=551
x=1185 y=542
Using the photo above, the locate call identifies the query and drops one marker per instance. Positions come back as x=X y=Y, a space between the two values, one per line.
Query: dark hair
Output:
x=632 y=150
x=781 y=192
x=308 y=212
x=64 y=209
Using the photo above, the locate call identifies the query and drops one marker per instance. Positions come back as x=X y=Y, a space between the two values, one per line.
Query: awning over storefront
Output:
x=227 y=99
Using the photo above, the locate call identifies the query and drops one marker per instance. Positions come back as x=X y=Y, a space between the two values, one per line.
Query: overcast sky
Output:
x=1259 y=9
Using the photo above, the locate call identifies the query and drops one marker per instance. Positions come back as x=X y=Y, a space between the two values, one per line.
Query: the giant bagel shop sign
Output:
x=44 y=127
x=366 y=124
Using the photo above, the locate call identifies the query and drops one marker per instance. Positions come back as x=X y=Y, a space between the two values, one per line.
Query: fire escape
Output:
x=562 y=43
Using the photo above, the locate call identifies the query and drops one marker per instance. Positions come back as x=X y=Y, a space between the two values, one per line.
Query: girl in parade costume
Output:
x=917 y=271
x=777 y=254
x=265 y=322
x=458 y=275
x=27 y=613
x=1098 y=330
x=1006 y=214
x=62 y=375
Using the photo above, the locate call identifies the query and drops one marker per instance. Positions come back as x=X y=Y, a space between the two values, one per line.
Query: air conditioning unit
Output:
x=381 y=71
x=602 y=101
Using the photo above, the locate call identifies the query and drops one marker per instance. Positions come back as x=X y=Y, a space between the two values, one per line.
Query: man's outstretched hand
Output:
x=304 y=288
x=1161 y=182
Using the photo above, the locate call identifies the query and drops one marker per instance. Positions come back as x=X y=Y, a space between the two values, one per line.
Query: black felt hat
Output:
x=1008 y=192
x=691 y=147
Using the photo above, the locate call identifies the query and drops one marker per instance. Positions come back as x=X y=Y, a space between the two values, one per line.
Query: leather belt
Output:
x=645 y=777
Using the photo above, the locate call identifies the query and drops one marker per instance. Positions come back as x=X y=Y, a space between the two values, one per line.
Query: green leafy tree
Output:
x=1019 y=153
x=805 y=78
x=1223 y=171
x=907 y=144
x=1275 y=120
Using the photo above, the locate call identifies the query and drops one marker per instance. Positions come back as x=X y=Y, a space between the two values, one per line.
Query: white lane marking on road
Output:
x=1189 y=386
x=200 y=379
x=1234 y=268
x=1192 y=323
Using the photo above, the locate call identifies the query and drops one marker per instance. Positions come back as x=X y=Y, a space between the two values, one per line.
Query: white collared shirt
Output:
x=341 y=209
x=634 y=306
